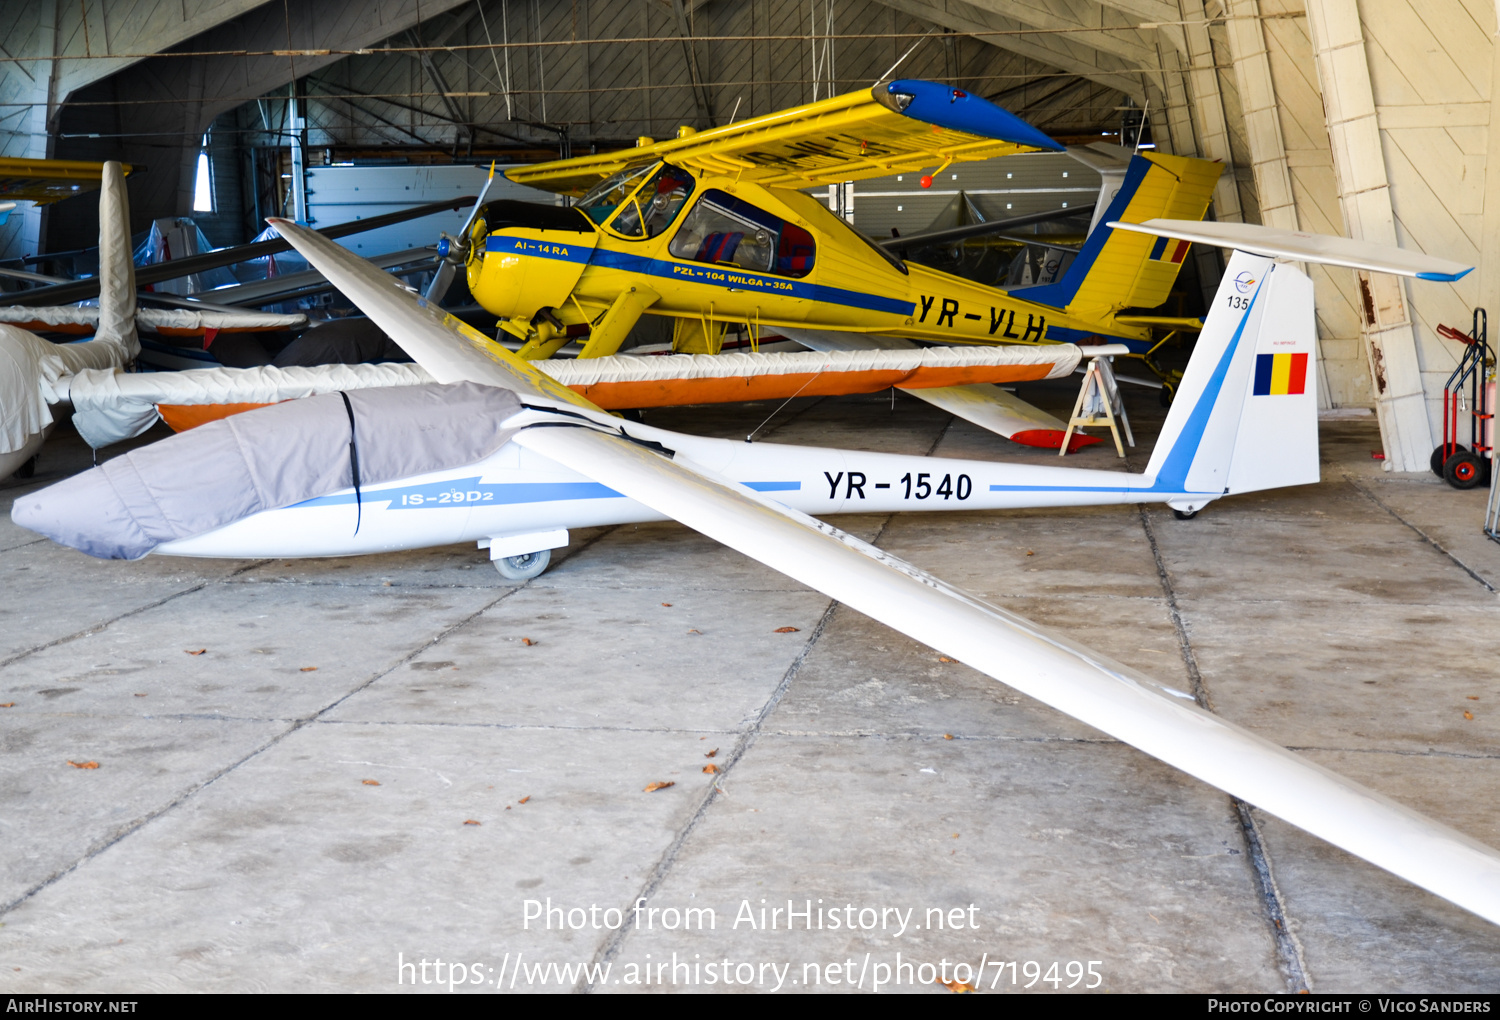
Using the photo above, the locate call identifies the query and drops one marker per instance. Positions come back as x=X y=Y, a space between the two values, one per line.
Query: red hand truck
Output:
x=1469 y=389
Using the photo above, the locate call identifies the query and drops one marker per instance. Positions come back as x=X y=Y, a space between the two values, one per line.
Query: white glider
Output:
x=1243 y=419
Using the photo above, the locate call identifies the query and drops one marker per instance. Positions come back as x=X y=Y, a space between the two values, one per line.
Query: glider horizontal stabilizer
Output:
x=1297 y=246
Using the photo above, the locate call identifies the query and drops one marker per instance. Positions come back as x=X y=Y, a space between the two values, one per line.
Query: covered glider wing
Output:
x=982 y=403
x=893 y=127
x=448 y=348
x=1297 y=246
x=1043 y=665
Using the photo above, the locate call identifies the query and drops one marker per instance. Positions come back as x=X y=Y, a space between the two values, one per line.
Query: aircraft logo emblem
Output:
x=1244 y=282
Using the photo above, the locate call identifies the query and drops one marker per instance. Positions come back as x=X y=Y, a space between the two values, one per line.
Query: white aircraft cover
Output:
x=31 y=371
x=195 y=482
x=110 y=406
x=151 y=319
x=116 y=263
x=31 y=367
x=156 y=319
x=1303 y=247
x=623 y=368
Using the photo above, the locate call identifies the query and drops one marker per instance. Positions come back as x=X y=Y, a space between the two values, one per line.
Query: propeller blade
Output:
x=441 y=281
x=463 y=234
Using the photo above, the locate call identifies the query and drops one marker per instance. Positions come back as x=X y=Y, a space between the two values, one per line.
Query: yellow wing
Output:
x=44 y=181
x=893 y=127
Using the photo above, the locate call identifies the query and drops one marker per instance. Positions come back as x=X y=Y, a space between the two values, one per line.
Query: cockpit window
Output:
x=606 y=196
x=657 y=203
x=725 y=230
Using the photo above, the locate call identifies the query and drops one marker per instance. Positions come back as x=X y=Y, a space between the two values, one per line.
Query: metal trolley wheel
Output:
x=1441 y=454
x=1466 y=470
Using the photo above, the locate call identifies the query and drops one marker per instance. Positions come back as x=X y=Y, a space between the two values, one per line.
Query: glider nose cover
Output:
x=211 y=476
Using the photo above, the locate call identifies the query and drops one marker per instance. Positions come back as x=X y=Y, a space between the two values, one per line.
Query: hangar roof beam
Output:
x=1062 y=51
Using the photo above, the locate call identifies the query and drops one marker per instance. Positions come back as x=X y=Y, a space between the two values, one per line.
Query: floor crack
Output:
x=297 y=724
x=1365 y=491
x=1293 y=965
x=612 y=945
x=105 y=624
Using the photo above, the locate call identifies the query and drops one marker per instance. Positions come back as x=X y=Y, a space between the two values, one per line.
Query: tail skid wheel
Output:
x=523 y=567
x=1184 y=515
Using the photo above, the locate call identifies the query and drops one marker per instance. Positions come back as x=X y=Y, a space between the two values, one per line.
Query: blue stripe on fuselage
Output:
x=468 y=492
x=713 y=276
x=1067 y=335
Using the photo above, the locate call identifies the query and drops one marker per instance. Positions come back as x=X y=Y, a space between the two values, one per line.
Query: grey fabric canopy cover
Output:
x=200 y=480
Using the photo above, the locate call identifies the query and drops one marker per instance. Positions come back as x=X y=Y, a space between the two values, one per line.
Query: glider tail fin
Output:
x=1118 y=269
x=116 y=268
x=1245 y=415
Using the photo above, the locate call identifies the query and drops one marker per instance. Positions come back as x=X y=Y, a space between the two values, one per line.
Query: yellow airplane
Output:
x=711 y=229
x=45 y=181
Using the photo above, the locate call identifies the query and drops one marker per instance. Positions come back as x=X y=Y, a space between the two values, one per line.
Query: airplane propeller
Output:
x=453 y=252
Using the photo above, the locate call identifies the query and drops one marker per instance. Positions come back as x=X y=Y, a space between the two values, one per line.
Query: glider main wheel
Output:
x=523 y=567
x=1439 y=456
x=27 y=469
x=1465 y=470
x=1184 y=515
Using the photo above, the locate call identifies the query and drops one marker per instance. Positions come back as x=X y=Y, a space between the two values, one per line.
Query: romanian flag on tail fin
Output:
x=1169 y=249
x=1280 y=374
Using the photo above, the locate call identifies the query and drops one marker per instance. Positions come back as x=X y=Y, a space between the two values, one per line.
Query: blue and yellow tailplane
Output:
x=1119 y=269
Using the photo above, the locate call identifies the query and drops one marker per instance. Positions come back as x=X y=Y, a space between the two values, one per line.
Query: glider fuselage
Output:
x=516 y=492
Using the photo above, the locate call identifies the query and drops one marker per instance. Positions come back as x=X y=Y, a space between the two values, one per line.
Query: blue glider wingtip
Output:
x=958 y=110
x=1445 y=277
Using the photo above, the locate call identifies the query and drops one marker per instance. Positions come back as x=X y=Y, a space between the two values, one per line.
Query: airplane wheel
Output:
x=27 y=469
x=523 y=567
x=1439 y=456
x=1465 y=470
x=1184 y=515
x=1164 y=397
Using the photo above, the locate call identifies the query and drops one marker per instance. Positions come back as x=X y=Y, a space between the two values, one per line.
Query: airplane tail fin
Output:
x=1118 y=269
x=1245 y=416
x=116 y=268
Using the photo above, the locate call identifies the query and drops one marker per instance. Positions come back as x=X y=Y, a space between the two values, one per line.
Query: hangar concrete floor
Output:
x=232 y=837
